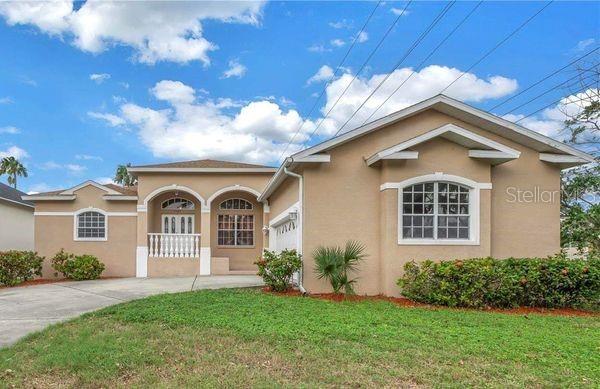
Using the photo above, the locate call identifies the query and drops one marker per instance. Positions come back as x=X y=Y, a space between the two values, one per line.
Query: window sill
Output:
x=236 y=247
x=437 y=242
x=90 y=239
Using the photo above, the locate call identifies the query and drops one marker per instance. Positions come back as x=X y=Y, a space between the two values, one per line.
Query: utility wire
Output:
x=416 y=43
x=332 y=77
x=553 y=103
x=419 y=66
x=544 y=79
x=361 y=68
x=498 y=45
x=548 y=91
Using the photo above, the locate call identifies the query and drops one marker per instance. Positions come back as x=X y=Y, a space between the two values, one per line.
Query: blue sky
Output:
x=85 y=88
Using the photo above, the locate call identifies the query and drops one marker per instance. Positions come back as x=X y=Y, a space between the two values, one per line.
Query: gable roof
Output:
x=462 y=111
x=113 y=192
x=444 y=104
x=13 y=195
x=202 y=165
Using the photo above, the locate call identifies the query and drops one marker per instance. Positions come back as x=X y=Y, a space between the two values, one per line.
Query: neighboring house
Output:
x=437 y=180
x=16 y=220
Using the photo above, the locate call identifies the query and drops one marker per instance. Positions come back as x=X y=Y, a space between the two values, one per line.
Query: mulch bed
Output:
x=404 y=302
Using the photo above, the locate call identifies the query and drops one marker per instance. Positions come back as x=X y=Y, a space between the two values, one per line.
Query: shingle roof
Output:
x=126 y=191
x=13 y=195
x=204 y=163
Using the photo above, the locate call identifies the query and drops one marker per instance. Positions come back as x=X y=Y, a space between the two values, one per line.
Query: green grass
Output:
x=248 y=338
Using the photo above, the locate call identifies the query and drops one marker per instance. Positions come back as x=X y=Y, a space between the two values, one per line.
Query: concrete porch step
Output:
x=242 y=272
x=220 y=266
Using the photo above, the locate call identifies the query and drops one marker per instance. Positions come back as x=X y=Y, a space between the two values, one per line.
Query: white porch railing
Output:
x=174 y=245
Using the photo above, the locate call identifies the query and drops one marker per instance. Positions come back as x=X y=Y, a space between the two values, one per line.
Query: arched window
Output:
x=177 y=203
x=235 y=223
x=435 y=210
x=90 y=225
x=235 y=204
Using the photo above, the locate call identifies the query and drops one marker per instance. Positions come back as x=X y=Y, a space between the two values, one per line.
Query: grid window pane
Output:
x=444 y=202
x=235 y=230
x=91 y=225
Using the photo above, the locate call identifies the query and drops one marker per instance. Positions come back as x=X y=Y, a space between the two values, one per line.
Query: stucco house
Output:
x=437 y=180
x=16 y=220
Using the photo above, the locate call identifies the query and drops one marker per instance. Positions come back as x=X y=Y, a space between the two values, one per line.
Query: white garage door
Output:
x=286 y=236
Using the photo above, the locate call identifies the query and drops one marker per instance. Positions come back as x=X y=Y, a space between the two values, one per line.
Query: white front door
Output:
x=177 y=224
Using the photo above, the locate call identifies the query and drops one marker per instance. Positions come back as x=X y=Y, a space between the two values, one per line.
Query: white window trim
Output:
x=235 y=230
x=474 y=208
x=90 y=209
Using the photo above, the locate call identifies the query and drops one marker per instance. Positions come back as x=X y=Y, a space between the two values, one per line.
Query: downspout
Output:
x=300 y=219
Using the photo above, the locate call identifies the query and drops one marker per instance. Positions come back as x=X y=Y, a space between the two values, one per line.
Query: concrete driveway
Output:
x=31 y=308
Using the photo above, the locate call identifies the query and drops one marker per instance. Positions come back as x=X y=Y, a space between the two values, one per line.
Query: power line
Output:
x=553 y=103
x=548 y=91
x=544 y=79
x=498 y=45
x=416 y=43
x=332 y=76
x=424 y=60
x=361 y=68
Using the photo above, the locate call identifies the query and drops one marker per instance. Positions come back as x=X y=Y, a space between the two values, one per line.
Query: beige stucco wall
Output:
x=284 y=197
x=16 y=227
x=343 y=202
x=55 y=232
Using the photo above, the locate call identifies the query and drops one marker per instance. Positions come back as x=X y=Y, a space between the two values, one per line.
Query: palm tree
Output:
x=12 y=168
x=334 y=264
x=123 y=177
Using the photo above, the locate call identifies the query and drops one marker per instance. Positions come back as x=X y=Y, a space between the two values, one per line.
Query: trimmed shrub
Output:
x=77 y=267
x=277 y=270
x=18 y=266
x=553 y=282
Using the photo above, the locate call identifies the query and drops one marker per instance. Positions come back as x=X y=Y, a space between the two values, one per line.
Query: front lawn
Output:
x=246 y=337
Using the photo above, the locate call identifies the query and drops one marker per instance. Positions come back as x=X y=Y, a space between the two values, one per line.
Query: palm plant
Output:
x=12 y=168
x=334 y=264
x=123 y=177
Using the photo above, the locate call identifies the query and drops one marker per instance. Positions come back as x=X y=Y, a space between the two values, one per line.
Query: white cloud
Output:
x=6 y=100
x=99 y=78
x=24 y=79
x=257 y=132
x=125 y=85
x=337 y=42
x=14 y=151
x=362 y=37
x=341 y=24
x=318 y=49
x=323 y=74
x=175 y=92
x=87 y=157
x=169 y=31
x=422 y=85
x=550 y=121
x=104 y=180
x=584 y=44
x=236 y=69
x=113 y=120
x=9 y=130
x=398 y=11
x=70 y=167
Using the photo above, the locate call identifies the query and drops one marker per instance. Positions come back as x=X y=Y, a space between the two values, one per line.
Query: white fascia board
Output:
x=49 y=198
x=17 y=202
x=441 y=131
x=495 y=157
x=323 y=158
x=398 y=155
x=565 y=161
x=87 y=183
x=425 y=104
x=200 y=170
x=275 y=181
x=119 y=198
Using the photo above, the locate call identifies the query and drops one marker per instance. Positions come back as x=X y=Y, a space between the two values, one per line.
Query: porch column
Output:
x=141 y=252
x=205 y=239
